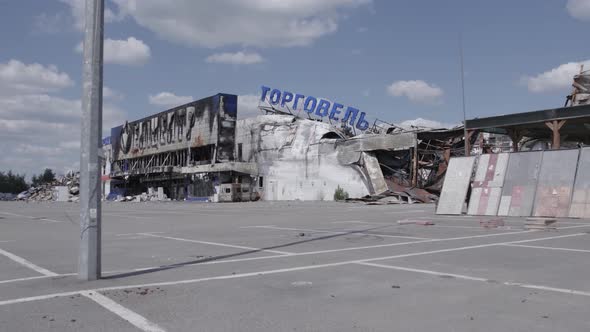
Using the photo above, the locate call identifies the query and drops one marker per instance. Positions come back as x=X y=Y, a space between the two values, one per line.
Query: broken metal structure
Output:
x=565 y=127
x=548 y=180
x=200 y=151
x=581 y=90
x=555 y=128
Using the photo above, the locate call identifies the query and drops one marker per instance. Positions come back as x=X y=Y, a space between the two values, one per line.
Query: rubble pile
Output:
x=7 y=196
x=400 y=195
x=152 y=195
x=66 y=188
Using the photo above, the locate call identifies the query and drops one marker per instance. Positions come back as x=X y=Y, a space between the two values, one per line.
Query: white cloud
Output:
x=108 y=93
x=38 y=130
x=77 y=10
x=18 y=77
x=416 y=91
x=238 y=58
x=579 y=9
x=130 y=52
x=218 y=23
x=41 y=131
x=248 y=106
x=362 y=29
x=49 y=23
x=168 y=99
x=425 y=123
x=555 y=79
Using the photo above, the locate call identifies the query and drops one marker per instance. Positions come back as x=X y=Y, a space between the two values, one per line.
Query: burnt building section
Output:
x=199 y=151
x=152 y=152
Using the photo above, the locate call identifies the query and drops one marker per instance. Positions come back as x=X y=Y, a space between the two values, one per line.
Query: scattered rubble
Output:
x=416 y=222
x=540 y=223
x=7 y=196
x=153 y=195
x=400 y=195
x=67 y=189
x=70 y=188
x=493 y=223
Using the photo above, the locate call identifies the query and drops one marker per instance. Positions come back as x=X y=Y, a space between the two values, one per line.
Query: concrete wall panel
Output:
x=520 y=183
x=455 y=185
x=556 y=182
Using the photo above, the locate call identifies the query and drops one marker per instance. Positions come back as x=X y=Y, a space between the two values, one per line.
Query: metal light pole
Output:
x=463 y=96
x=91 y=144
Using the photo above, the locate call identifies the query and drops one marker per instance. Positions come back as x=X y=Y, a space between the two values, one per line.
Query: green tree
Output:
x=12 y=183
x=46 y=177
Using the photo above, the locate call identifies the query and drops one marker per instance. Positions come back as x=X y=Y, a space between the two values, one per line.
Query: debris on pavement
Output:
x=540 y=223
x=493 y=223
x=415 y=222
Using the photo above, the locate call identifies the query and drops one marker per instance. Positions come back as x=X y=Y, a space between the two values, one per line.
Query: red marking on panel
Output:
x=483 y=201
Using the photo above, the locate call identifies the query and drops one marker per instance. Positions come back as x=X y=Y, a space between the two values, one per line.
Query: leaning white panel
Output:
x=455 y=186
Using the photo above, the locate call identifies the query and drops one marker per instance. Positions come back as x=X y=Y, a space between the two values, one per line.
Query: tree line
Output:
x=14 y=183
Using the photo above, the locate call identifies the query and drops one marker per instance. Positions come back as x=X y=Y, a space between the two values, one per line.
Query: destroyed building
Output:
x=200 y=151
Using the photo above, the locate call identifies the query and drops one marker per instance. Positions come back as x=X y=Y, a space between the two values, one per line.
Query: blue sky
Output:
x=394 y=60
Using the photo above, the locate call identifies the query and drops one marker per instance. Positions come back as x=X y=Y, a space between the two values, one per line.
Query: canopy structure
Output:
x=558 y=124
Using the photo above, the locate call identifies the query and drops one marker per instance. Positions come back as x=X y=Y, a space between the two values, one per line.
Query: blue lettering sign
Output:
x=275 y=95
x=310 y=104
x=322 y=108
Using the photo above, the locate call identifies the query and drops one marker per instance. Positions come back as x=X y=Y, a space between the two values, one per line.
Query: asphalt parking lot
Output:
x=290 y=266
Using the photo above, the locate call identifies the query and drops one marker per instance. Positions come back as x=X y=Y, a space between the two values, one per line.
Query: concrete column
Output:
x=555 y=126
x=515 y=136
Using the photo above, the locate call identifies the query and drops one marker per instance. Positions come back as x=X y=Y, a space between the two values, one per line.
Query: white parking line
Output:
x=465 y=277
x=132 y=317
x=570 y=227
x=32 y=278
x=351 y=232
x=32 y=217
x=299 y=268
x=440 y=274
x=215 y=244
x=28 y=264
x=126 y=234
x=285 y=254
x=471 y=247
x=122 y=215
x=546 y=248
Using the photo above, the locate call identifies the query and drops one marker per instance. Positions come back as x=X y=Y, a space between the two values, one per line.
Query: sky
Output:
x=395 y=60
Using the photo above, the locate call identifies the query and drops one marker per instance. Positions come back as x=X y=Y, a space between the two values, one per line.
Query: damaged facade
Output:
x=200 y=151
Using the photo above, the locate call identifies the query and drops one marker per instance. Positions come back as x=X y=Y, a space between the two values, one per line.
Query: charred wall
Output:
x=204 y=127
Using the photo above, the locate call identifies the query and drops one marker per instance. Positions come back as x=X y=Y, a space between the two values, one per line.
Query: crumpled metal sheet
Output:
x=580 y=207
x=556 y=182
x=487 y=184
x=455 y=186
x=372 y=142
x=520 y=184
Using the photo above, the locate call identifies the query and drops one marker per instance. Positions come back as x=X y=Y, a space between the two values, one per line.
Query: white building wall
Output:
x=296 y=163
